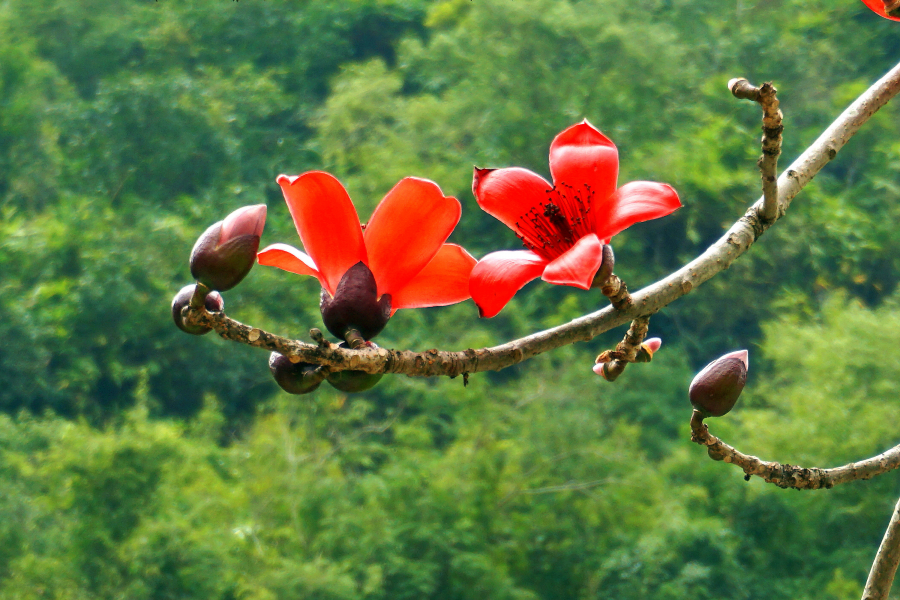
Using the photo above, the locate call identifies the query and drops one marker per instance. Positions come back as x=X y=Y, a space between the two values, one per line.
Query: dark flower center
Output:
x=553 y=226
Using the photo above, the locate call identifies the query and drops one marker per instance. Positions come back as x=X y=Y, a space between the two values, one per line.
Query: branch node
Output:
x=617 y=292
x=199 y=297
x=615 y=361
x=772 y=128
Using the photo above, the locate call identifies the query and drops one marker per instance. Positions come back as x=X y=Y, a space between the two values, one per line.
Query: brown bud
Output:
x=354 y=381
x=213 y=303
x=226 y=251
x=717 y=387
x=294 y=378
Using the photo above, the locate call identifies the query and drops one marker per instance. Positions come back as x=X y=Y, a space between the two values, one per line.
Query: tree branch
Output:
x=715 y=259
x=881 y=577
x=615 y=361
x=791 y=476
x=771 y=140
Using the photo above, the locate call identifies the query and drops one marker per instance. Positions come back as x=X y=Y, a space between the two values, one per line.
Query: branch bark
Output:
x=881 y=577
x=772 y=128
x=791 y=476
x=650 y=299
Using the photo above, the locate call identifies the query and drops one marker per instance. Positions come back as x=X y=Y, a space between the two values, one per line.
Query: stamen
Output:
x=551 y=228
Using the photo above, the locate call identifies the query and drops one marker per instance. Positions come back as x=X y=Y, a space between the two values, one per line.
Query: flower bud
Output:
x=600 y=369
x=213 y=303
x=353 y=381
x=356 y=305
x=294 y=378
x=716 y=388
x=647 y=350
x=226 y=251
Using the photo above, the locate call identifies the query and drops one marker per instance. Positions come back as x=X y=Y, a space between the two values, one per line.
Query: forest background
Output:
x=138 y=462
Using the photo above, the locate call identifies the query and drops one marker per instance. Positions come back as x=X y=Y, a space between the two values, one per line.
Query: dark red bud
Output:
x=226 y=251
x=356 y=305
x=294 y=378
x=354 y=381
x=213 y=303
x=717 y=387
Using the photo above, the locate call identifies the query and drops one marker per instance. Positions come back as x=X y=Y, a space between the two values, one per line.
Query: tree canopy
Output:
x=138 y=462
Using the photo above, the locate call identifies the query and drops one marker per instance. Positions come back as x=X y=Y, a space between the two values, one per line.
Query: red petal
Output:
x=443 y=281
x=326 y=221
x=878 y=7
x=581 y=155
x=577 y=265
x=406 y=231
x=508 y=194
x=288 y=258
x=499 y=275
x=632 y=203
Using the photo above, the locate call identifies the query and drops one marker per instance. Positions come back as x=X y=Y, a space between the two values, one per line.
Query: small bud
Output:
x=355 y=305
x=294 y=378
x=600 y=369
x=647 y=350
x=716 y=388
x=354 y=381
x=213 y=303
x=226 y=251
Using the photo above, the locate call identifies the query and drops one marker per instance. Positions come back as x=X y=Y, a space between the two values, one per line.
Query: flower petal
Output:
x=327 y=223
x=499 y=275
x=632 y=203
x=581 y=155
x=406 y=230
x=577 y=265
x=508 y=194
x=879 y=7
x=443 y=281
x=288 y=258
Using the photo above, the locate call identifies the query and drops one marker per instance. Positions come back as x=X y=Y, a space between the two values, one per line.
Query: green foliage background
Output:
x=137 y=462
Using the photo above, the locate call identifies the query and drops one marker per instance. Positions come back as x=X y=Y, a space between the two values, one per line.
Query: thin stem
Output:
x=615 y=361
x=881 y=577
x=791 y=476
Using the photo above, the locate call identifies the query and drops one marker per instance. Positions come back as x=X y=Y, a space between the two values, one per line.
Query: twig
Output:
x=771 y=140
x=715 y=259
x=792 y=476
x=615 y=361
x=881 y=577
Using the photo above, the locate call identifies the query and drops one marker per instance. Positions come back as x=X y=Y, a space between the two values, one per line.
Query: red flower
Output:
x=880 y=7
x=564 y=226
x=402 y=245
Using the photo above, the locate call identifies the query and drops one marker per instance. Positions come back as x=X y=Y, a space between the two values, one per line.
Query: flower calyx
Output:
x=355 y=305
x=226 y=251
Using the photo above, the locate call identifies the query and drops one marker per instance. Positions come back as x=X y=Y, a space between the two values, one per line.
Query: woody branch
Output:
x=771 y=140
x=718 y=257
x=791 y=476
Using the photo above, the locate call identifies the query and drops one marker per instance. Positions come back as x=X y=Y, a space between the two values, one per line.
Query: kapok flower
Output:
x=889 y=9
x=565 y=225
x=399 y=260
